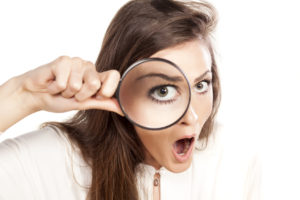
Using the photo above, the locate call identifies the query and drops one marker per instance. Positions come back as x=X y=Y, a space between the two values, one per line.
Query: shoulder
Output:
x=48 y=146
x=39 y=143
x=40 y=150
x=40 y=162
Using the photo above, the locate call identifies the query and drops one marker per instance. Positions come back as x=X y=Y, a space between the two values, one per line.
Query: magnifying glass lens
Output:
x=154 y=94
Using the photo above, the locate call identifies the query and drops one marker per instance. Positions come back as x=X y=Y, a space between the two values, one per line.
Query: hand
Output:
x=70 y=84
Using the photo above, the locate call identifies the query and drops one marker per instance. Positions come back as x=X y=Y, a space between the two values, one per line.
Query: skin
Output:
x=67 y=84
x=74 y=84
x=62 y=85
x=194 y=59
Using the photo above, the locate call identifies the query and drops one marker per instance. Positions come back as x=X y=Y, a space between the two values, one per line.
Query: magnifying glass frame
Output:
x=131 y=67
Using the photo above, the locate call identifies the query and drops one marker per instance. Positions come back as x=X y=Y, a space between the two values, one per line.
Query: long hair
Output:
x=108 y=142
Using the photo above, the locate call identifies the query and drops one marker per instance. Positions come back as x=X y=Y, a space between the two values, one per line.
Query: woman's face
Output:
x=173 y=147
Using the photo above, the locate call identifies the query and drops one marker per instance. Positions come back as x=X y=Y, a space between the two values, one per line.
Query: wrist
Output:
x=15 y=102
x=23 y=98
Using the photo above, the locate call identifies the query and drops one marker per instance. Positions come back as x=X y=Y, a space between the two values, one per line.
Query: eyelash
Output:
x=208 y=82
x=157 y=87
x=162 y=102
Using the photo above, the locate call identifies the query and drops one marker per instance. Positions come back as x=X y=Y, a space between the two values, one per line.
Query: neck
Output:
x=149 y=160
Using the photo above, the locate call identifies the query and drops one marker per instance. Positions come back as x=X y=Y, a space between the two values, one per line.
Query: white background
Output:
x=258 y=56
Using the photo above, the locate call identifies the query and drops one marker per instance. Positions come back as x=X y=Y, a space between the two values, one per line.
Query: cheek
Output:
x=210 y=100
x=154 y=143
x=148 y=141
x=204 y=106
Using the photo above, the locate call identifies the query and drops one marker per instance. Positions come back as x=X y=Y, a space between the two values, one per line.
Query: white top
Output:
x=43 y=165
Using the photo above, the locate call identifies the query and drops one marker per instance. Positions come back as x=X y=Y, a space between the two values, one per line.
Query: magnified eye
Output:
x=163 y=93
x=202 y=86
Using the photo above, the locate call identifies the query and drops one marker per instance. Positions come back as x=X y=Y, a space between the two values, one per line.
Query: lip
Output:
x=188 y=153
x=186 y=136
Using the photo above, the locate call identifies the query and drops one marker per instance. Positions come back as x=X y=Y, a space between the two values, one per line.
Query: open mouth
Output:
x=182 y=148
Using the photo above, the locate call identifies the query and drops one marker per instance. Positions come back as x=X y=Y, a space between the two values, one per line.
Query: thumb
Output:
x=109 y=104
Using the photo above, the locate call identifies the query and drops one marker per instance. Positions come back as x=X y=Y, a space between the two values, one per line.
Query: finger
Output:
x=67 y=104
x=74 y=84
x=109 y=83
x=75 y=78
x=91 y=85
x=61 y=70
x=108 y=104
x=37 y=80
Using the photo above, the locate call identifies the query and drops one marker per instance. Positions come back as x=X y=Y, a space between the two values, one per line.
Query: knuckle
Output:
x=63 y=58
x=77 y=61
x=75 y=87
x=61 y=62
x=89 y=64
x=94 y=84
x=61 y=86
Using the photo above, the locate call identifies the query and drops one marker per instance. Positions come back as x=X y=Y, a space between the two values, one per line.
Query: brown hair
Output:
x=108 y=142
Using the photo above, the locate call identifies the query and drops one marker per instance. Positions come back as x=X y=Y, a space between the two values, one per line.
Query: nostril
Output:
x=190 y=117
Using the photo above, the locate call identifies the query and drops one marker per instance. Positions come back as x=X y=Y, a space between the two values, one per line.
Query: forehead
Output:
x=192 y=57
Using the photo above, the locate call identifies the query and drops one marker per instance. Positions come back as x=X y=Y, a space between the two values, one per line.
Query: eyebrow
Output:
x=202 y=76
x=163 y=76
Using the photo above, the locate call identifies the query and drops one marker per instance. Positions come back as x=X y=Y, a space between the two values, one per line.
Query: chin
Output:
x=177 y=167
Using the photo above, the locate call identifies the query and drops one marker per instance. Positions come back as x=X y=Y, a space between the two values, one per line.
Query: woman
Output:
x=99 y=154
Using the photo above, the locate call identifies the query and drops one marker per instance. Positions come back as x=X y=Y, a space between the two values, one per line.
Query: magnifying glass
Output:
x=154 y=93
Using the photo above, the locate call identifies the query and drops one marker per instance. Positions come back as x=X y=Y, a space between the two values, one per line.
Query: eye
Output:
x=202 y=86
x=163 y=93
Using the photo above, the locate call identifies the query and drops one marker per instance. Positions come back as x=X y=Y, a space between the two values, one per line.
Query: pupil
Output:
x=163 y=91
x=199 y=85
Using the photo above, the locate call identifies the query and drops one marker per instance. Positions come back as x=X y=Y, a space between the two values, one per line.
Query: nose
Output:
x=190 y=117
